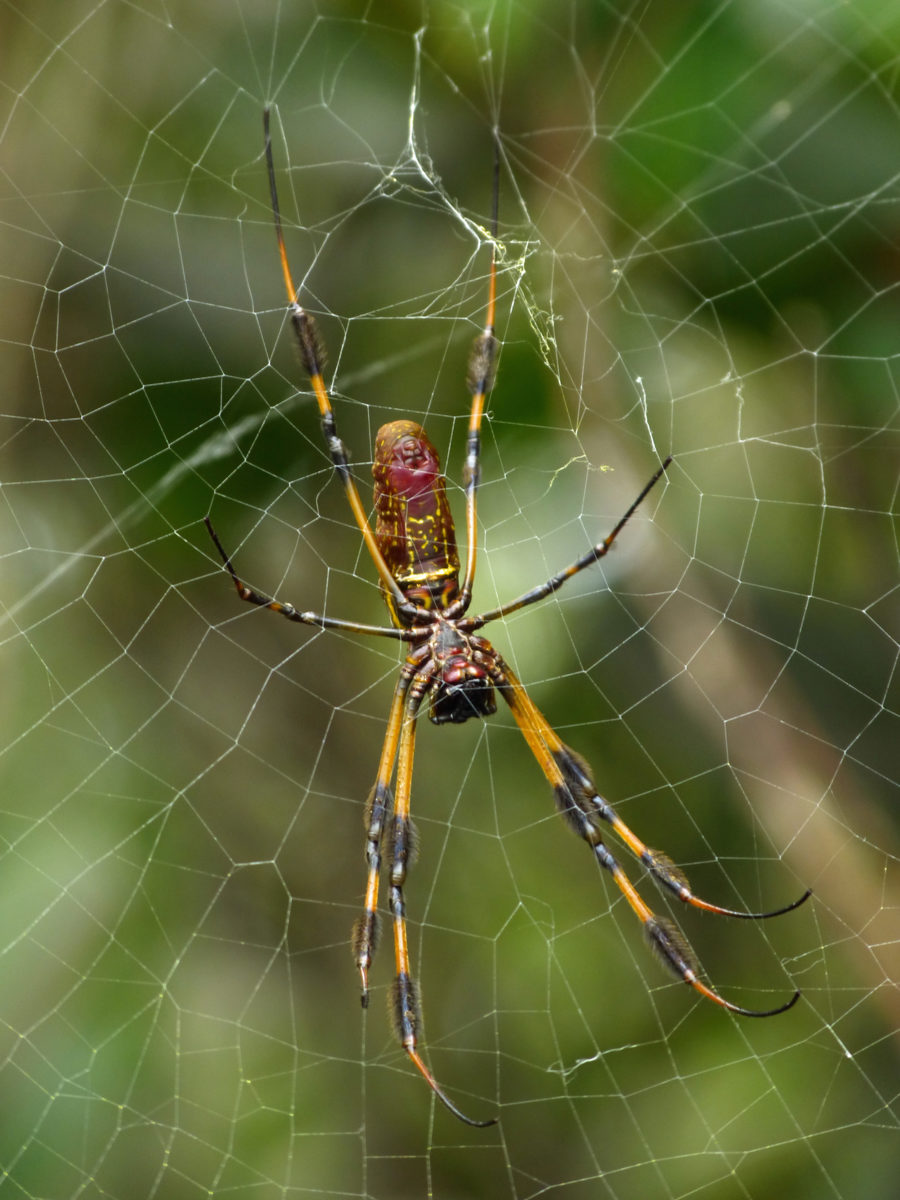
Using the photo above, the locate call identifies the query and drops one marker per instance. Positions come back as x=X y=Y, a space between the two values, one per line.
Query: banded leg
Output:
x=379 y=810
x=312 y=355
x=479 y=381
x=292 y=614
x=405 y=1008
x=578 y=800
x=586 y=560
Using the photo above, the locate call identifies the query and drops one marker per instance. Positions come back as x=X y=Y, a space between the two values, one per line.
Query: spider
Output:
x=413 y=549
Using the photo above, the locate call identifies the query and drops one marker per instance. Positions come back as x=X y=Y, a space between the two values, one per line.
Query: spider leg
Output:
x=580 y=783
x=479 y=380
x=583 y=808
x=379 y=809
x=312 y=356
x=586 y=560
x=405 y=1007
x=288 y=610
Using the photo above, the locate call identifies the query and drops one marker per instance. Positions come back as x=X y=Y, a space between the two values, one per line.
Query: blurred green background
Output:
x=700 y=226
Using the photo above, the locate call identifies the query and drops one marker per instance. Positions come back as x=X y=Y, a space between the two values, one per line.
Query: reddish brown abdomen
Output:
x=413 y=524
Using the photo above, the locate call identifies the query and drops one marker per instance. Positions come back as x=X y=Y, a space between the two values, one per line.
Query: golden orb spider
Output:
x=414 y=552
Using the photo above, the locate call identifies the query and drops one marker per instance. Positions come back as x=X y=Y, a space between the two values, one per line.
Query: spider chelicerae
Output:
x=413 y=549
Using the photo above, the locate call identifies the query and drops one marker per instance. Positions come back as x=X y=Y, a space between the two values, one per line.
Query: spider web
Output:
x=699 y=216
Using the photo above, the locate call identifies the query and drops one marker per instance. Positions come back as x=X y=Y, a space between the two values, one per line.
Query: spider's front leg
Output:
x=379 y=809
x=584 y=809
x=405 y=1007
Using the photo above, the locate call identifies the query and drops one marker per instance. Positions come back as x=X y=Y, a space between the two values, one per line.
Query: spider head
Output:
x=464 y=691
x=462 y=687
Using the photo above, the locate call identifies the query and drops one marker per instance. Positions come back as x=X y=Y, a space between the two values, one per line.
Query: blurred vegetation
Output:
x=699 y=228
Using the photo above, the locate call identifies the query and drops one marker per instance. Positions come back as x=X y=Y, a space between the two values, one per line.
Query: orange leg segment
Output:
x=569 y=776
x=311 y=352
x=479 y=380
x=405 y=1006
x=379 y=809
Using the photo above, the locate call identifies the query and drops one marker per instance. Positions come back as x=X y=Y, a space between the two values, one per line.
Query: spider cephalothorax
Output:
x=413 y=550
x=461 y=687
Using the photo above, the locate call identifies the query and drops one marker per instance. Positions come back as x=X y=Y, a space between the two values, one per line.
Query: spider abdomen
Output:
x=413 y=523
